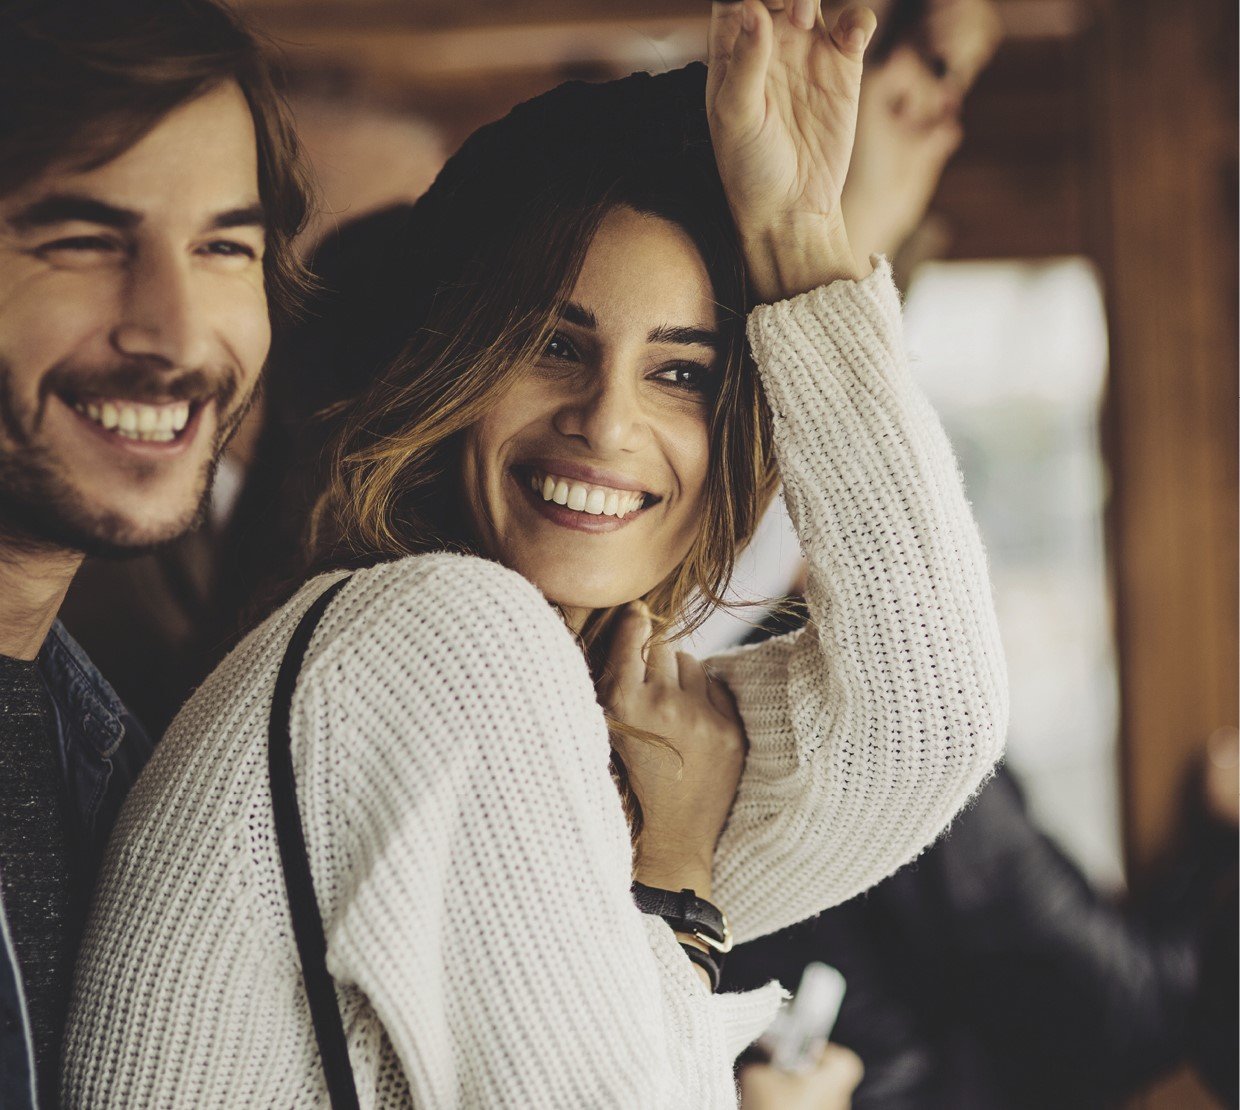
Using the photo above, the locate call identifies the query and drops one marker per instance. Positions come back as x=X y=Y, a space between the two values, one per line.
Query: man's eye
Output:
x=80 y=243
x=228 y=248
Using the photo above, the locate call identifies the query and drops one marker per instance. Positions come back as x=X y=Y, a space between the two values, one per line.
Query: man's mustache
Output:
x=141 y=382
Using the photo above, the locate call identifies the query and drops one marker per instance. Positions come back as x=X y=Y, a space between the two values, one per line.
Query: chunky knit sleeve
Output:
x=872 y=726
x=473 y=862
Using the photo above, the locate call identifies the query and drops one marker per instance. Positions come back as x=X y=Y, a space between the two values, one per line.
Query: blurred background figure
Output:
x=1056 y=181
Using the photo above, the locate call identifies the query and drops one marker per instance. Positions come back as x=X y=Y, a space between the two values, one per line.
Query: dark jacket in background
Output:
x=990 y=975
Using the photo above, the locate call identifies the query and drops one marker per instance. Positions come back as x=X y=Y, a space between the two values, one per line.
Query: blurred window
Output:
x=1014 y=358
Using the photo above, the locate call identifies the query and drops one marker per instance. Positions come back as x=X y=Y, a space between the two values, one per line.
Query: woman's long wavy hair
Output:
x=392 y=484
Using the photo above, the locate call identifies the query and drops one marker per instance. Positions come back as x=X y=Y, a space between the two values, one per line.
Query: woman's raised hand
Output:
x=686 y=785
x=782 y=99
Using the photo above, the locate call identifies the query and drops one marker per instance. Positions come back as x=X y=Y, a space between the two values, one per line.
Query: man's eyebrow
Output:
x=690 y=337
x=62 y=208
x=251 y=215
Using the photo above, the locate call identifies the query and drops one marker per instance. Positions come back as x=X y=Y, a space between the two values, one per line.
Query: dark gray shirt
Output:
x=37 y=871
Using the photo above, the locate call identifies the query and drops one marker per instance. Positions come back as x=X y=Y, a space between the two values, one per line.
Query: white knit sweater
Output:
x=467 y=842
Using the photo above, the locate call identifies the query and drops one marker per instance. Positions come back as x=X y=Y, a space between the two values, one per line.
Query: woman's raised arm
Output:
x=869 y=729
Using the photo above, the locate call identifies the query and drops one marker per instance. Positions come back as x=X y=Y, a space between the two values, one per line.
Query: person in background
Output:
x=991 y=955
x=148 y=198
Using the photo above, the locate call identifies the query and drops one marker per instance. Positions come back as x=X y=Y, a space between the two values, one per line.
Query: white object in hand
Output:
x=804 y=1024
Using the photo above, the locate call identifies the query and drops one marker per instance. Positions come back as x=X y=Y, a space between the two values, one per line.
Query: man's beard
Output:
x=40 y=510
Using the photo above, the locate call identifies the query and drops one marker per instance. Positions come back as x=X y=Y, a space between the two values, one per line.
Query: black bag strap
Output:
x=302 y=903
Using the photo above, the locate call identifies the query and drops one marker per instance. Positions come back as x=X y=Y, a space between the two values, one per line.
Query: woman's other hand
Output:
x=686 y=785
x=828 y=1086
x=782 y=100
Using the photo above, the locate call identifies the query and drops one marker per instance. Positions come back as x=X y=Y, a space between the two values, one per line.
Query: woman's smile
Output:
x=570 y=503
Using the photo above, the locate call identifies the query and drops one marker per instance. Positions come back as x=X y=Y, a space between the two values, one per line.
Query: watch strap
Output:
x=685 y=912
x=709 y=961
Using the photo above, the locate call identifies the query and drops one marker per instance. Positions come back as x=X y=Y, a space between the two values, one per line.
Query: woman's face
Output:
x=589 y=476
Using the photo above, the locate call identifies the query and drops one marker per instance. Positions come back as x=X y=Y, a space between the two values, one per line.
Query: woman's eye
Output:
x=692 y=377
x=560 y=349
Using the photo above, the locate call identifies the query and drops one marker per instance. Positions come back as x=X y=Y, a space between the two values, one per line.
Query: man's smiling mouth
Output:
x=137 y=420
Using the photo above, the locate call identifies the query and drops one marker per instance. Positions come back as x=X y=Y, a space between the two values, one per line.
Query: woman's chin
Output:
x=575 y=590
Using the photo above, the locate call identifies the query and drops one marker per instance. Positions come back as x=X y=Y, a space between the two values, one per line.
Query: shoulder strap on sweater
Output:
x=303 y=905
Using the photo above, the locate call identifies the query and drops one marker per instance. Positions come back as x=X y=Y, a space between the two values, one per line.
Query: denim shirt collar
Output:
x=88 y=708
x=101 y=745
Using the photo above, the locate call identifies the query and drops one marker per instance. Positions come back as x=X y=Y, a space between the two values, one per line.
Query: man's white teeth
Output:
x=595 y=500
x=131 y=420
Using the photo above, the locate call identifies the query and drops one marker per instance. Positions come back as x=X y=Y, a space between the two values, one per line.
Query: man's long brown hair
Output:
x=392 y=487
x=81 y=81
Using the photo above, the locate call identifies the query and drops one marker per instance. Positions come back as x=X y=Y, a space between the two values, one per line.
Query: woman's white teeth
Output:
x=595 y=500
x=131 y=420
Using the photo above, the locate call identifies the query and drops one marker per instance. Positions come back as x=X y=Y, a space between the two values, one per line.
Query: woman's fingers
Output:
x=626 y=668
x=661 y=664
x=840 y=1069
x=853 y=30
x=828 y=1086
x=741 y=40
x=692 y=676
x=804 y=14
x=720 y=696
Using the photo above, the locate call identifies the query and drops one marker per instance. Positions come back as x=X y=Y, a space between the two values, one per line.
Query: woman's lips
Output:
x=587 y=475
x=565 y=517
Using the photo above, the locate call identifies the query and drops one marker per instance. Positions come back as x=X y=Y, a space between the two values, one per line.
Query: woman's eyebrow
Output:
x=578 y=314
x=582 y=317
x=690 y=337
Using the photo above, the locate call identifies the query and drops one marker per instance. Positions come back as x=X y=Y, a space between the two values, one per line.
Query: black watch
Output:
x=685 y=912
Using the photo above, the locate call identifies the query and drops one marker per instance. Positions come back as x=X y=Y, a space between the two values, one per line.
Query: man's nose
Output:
x=608 y=416
x=161 y=319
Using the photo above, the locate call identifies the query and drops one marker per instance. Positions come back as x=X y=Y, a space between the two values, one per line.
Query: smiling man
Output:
x=149 y=191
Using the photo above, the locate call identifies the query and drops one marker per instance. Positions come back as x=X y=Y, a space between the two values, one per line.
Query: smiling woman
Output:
x=585 y=329
x=563 y=432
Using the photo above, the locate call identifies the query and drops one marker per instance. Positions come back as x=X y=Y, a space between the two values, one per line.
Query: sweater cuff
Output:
x=851 y=324
x=748 y=1014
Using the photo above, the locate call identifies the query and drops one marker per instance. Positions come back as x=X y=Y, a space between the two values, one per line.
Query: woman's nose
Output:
x=608 y=416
